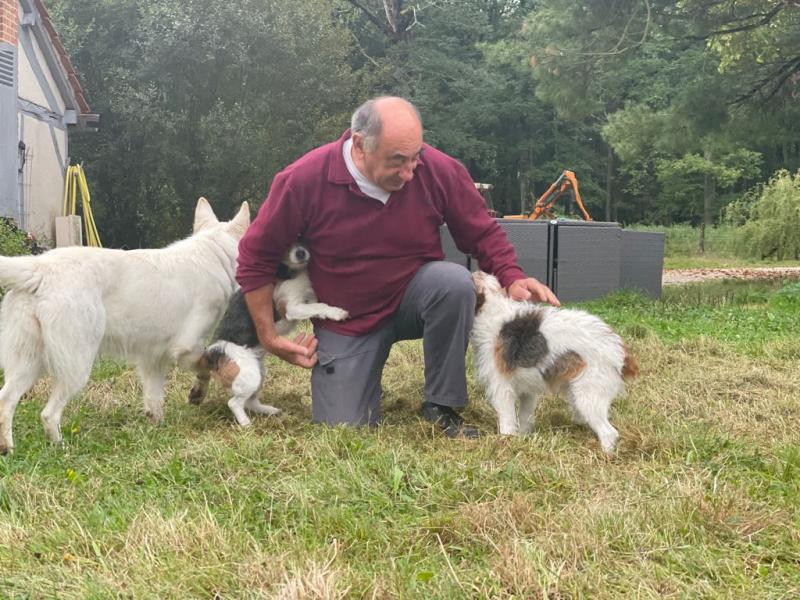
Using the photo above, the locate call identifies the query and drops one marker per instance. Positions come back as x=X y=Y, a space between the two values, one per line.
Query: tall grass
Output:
x=723 y=247
x=701 y=500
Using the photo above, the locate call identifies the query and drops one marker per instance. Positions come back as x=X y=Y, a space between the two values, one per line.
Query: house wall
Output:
x=40 y=126
x=9 y=202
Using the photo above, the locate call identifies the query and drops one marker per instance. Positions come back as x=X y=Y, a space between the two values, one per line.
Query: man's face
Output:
x=391 y=165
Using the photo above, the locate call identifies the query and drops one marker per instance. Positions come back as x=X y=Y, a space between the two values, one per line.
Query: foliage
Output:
x=13 y=240
x=788 y=297
x=772 y=220
x=200 y=98
x=666 y=111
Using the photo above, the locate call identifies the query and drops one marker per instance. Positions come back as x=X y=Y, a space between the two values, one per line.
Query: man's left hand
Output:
x=532 y=289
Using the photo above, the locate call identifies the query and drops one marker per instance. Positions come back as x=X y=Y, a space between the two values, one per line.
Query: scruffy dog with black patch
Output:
x=523 y=350
x=236 y=358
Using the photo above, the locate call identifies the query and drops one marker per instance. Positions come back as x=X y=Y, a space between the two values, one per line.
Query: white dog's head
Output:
x=204 y=218
x=486 y=288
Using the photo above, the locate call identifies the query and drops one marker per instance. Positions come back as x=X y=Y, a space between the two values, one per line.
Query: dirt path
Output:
x=674 y=276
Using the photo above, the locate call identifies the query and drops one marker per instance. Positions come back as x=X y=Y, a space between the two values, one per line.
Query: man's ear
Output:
x=358 y=142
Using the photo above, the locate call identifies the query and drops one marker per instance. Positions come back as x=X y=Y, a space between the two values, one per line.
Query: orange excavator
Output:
x=566 y=182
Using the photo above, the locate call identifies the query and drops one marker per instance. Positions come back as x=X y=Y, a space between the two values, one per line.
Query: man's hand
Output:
x=302 y=351
x=532 y=289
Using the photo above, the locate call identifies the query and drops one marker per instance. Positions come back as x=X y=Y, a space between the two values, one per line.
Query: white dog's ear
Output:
x=203 y=215
x=241 y=221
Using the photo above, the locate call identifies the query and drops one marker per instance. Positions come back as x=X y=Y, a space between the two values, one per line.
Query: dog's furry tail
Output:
x=630 y=367
x=20 y=273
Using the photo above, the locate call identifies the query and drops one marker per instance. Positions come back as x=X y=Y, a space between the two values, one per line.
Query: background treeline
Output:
x=667 y=111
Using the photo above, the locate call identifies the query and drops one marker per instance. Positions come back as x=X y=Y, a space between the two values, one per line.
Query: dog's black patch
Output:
x=213 y=356
x=237 y=325
x=523 y=345
x=285 y=272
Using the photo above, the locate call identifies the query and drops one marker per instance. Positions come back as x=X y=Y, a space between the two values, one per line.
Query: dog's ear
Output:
x=203 y=215
x=480 y=290
x=241 y=221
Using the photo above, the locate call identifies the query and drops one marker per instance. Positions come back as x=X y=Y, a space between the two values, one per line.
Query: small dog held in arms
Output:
x=151 y=307
x=522 y=350
x=236 y=358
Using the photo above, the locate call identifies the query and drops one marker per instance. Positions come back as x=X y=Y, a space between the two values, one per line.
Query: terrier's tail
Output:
x=630 y=367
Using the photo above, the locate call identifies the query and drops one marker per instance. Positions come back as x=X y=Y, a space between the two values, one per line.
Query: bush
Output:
x=787 y=297
x=771 y=219
x=14 y=241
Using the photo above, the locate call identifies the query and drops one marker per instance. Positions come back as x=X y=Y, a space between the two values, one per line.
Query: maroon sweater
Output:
x=364 y=253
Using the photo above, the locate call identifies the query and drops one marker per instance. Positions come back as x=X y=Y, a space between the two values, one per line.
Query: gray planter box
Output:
x=531 y=240
x=586 y=262
x=642 y=261
x=580 y=260
x=451 y=253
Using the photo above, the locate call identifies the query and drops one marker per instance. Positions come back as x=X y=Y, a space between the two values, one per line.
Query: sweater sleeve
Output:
x=279 y=223
x=475 y=231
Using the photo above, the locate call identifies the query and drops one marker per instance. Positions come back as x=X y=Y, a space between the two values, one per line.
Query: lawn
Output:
x=702 y=498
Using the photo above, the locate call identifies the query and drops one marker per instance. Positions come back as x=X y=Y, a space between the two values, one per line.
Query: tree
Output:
x=200 y=97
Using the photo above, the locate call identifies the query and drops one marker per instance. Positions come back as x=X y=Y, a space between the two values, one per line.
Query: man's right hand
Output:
x=302 y=351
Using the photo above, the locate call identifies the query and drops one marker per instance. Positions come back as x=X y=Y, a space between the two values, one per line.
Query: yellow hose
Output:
x=76 y=182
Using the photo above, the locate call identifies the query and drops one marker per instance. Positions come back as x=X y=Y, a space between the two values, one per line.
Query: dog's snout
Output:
x=301 y=254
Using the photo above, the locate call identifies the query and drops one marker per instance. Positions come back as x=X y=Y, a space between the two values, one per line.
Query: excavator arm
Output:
x=566 y=183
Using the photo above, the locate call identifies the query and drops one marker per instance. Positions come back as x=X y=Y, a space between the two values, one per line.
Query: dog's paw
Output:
x=197 y=394
x=336 y=314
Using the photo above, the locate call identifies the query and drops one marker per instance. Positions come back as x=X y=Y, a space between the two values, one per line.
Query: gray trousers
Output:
x=439 y=307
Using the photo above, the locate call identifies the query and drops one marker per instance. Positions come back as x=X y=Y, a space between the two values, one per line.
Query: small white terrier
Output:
x=236 y=358
x=152 y=307
x=522 y=350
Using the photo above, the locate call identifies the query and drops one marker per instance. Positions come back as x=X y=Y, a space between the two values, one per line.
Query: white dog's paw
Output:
x=254 y=406
x=336 y=314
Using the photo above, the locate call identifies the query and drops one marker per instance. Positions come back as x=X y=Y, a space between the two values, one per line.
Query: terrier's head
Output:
x=486 y=288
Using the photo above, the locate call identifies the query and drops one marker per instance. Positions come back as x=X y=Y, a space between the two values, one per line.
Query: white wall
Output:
x=42 y=190
x=45 y=138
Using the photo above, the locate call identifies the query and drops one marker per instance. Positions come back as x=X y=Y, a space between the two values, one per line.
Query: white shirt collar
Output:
x=365 y=185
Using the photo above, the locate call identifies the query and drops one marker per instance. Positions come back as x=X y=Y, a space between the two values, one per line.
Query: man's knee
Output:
x=453 y=282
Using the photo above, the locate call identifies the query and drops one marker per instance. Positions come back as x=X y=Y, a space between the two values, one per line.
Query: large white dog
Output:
x=151 y=307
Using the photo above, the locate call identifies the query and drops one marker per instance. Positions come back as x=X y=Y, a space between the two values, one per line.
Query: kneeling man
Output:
x=369 y=207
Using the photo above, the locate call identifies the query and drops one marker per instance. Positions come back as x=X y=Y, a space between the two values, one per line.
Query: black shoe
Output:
x=448 y=420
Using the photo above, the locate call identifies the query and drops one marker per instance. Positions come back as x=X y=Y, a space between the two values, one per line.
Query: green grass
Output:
x=701 y=500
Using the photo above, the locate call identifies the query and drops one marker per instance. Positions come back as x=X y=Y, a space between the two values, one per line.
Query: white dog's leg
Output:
x=255 y=406
x=18 y=382
x=63 y=390
x=315 y=310
x=504 y=400
x=246 y=385
x=593 y=408
x=153 y=377
x=236 y=404
x=527 y=407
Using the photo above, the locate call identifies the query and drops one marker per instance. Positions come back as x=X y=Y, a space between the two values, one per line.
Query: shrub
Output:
x=787 y=297
x=13 y=240
x=771 y=219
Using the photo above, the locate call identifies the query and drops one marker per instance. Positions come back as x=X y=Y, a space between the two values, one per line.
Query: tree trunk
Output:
x=709 y=192
x=609 y=176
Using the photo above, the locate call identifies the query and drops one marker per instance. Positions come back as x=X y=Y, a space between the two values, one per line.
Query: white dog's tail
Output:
x=20 y=273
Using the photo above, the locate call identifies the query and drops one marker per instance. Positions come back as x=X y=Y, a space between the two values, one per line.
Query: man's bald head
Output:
x=391 y=113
